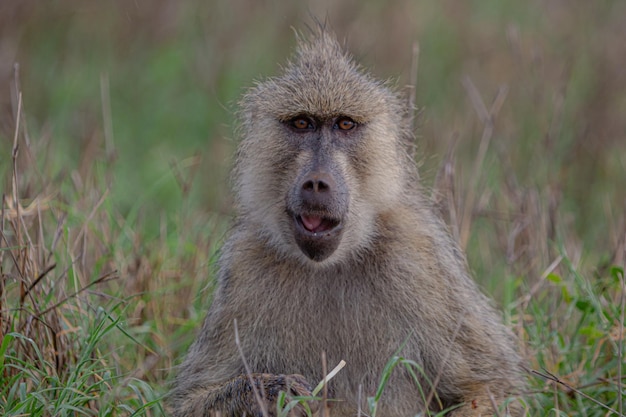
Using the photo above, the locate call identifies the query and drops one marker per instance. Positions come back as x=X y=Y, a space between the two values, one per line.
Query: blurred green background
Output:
x=150 y=89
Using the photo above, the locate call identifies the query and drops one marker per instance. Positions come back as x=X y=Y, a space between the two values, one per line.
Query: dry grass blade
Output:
x=487 y=118
x=13 y=257
x=105 y=99
x=551 y=377
x=620 y=348
x=523 y=301
x=325 y=412
x=83 y=229
x=413 y=83
x=37 y=280
x=258 y=396
x=413 y=90
x=493 y=403
x=100 y=280
x=433 y=390
x=444 y=194
x=476 y=100
x=14 y=153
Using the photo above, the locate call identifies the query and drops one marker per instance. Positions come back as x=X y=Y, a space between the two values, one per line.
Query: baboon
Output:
x=336 y=249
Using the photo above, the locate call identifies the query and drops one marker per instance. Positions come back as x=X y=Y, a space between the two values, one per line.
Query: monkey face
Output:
x=322 y=157
x=318 y=199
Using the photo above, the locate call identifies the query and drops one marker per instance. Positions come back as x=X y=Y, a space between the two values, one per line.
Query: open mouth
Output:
x=317 y=235
x=316 y=224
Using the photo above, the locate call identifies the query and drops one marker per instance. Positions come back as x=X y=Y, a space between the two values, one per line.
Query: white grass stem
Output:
x=328 y=377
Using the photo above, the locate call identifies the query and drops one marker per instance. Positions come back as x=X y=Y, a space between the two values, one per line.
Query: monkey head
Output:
x=318 y=160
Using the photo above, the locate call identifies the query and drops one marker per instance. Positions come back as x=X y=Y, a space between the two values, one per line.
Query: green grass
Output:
x=118 y=200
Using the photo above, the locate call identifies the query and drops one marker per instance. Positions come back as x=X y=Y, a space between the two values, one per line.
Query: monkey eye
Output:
x=301 y=123
x=344 y=123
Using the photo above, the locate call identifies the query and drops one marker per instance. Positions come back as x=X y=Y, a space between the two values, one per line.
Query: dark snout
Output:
x=318 y=190
x=318 y=203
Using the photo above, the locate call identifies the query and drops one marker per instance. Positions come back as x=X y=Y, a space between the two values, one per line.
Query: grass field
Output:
x=116 y=136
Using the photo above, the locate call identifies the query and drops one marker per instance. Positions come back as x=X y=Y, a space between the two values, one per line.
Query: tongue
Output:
x=311 y=222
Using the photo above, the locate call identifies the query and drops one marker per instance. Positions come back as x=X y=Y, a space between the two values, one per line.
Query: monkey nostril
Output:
x=322 y=186
x=309 y=186
x=316 y=186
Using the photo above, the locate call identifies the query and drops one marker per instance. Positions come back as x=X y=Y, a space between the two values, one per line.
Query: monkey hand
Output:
x=293 y=385
x=241 y=396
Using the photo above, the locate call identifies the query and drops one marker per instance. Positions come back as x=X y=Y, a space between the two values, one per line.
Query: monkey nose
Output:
x=317 y=190
x=318 y=183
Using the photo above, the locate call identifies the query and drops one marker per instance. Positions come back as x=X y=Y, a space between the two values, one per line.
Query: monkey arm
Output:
x=481 y=370
x=484 y=373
